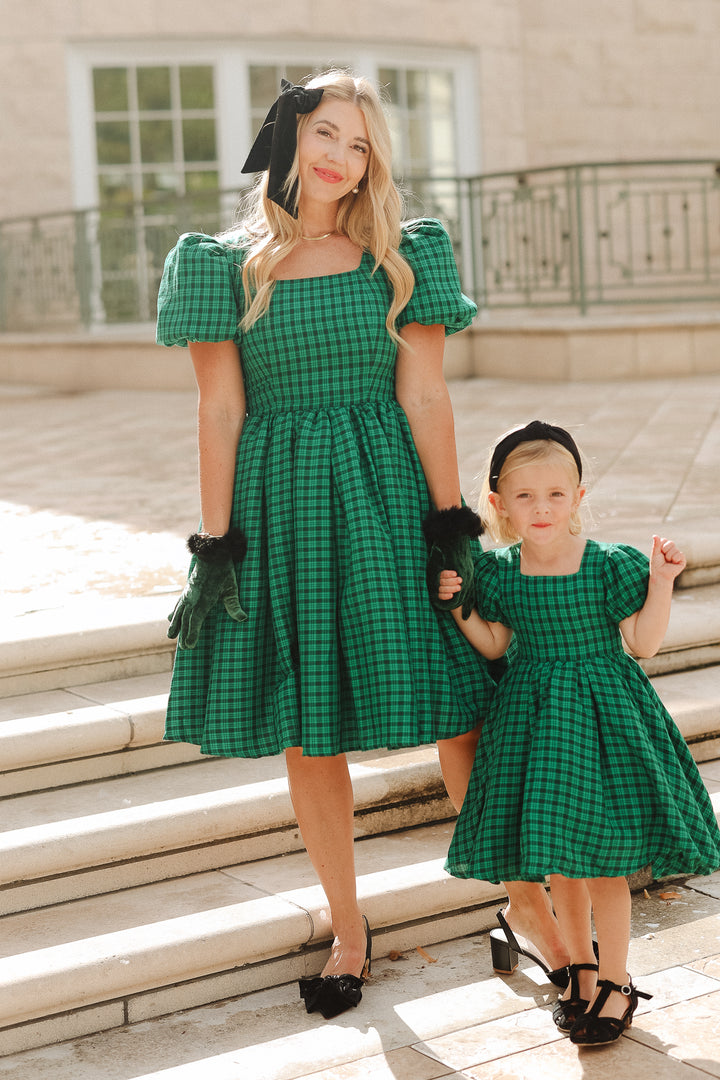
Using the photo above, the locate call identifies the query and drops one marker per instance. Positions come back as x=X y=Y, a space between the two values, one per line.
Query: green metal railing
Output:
x=566 y=237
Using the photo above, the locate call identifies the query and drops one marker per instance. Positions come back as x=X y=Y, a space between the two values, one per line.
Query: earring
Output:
x=355 y=190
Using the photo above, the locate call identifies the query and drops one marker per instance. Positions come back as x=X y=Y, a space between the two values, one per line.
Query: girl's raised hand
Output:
x=449 y=584
x=666 y=559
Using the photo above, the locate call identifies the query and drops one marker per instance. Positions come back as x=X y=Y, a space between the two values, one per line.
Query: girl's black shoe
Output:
x=590 y=1029
x=567 y=1010
x=334 y=994
x=505 y=948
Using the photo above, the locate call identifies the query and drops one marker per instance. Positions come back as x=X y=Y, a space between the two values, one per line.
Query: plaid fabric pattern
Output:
x=580 y=769
x=341 y=649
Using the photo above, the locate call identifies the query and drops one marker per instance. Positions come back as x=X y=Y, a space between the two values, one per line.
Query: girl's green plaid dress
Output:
x=341 y=650
x=580 y=769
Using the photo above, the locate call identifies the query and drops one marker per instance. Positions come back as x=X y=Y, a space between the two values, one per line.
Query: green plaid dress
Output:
x=341 y=650
x=580 y=770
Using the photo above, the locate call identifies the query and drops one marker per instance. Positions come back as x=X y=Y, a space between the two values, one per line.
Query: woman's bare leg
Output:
x=529 y=912
x=457 y=757
x=322 y=797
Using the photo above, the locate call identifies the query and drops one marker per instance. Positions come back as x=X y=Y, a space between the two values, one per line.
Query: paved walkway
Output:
x=98 y=490
x=437 y=1012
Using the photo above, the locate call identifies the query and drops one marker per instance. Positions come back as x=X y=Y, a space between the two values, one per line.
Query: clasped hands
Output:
x=448 y=534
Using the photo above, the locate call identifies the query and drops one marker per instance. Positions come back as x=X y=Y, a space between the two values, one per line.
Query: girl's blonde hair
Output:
x=371 y=219
x=527 y=453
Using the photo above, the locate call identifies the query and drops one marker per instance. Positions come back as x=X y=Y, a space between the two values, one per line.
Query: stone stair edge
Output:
x=40 y=851
x=165 y=953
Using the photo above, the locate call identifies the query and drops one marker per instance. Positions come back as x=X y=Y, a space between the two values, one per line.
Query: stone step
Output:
x=114 y=834
x=85 y=642
x=56 y=738
x=693 y=636
x=127 y=830
x=96 y=963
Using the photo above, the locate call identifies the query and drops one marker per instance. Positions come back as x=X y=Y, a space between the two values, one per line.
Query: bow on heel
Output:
x=335 y=994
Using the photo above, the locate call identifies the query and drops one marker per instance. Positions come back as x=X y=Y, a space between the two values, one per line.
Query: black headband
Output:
x=276 y=142
x=536 y=429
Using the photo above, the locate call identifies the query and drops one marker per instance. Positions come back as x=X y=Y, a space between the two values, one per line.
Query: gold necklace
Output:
x=323 y=237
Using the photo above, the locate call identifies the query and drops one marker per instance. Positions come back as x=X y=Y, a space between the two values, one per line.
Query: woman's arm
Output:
x=221 y=412
x=423 y=395
x=645 y=629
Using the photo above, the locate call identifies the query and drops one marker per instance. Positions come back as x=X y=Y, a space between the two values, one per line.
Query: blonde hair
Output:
x=527 y=453
x=370 y=219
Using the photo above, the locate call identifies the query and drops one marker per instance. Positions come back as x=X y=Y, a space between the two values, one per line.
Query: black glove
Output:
x=212 y=578
x=448 y=534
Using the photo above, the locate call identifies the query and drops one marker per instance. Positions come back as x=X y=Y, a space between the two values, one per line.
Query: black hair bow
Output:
x=276 y=142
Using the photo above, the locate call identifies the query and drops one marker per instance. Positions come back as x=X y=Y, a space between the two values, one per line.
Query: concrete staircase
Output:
x=138 y=878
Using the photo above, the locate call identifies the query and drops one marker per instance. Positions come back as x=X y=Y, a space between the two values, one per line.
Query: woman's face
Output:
x=333 y=152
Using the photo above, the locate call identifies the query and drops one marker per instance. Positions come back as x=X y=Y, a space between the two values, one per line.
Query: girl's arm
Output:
x=423 y=396
x=221 y=412
x=644 y=630
x=489 y=638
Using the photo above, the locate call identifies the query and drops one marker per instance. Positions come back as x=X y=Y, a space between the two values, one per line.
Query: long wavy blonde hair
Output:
x=371 y=219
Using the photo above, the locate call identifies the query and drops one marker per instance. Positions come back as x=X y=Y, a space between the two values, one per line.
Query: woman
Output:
x=316 y=331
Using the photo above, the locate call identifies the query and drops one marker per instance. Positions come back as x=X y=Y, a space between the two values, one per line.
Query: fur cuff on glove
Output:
x=215 y=549
x=451 y=524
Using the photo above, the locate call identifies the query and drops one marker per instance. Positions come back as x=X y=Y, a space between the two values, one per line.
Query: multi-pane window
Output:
x=155 y=132
x=155 y=138
x=422 y=120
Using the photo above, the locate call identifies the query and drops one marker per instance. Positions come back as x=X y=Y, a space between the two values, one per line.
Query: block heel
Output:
x=504 y=957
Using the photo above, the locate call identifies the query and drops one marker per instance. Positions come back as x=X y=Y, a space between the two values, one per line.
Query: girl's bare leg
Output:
x=611 y=907
x=322 y=797
x=529 y=912
x=571 y=900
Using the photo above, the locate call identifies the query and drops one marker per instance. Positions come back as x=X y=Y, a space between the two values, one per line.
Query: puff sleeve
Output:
x=198 y=299
x=487 y=588
x=626 y=572
x=437 y=297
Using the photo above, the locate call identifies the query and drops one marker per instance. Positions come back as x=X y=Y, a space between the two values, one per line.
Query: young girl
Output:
x=580 y=773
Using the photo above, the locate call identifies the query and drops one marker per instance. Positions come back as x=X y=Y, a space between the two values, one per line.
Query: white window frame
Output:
x=231 y=61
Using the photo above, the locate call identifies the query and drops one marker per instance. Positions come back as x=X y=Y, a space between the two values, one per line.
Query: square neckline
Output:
x=324 y=277
x=555 y=576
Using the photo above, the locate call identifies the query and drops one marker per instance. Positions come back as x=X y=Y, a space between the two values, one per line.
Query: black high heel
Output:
x=567 y=1010
x=505 y=948
x=590 y=1029
x=334 y=994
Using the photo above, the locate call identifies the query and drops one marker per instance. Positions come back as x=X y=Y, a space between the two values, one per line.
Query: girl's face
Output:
x=333 y=152
x=538 y=500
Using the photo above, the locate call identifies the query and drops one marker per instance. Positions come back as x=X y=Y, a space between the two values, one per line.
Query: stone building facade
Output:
x=101 y=100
